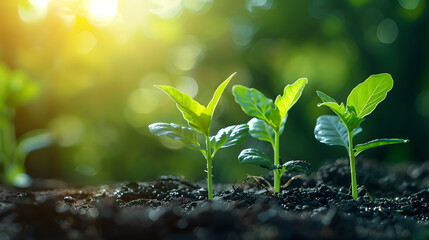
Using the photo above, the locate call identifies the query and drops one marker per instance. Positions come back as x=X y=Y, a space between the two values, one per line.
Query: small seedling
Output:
x=267 y=124
x=340 y=129
x=199 y=119
x=16 y=89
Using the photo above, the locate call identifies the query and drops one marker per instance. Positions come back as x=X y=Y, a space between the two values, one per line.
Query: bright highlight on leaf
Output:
x=340 y=129
x=365 y=97
x=185 y=135
x=198 y=116
x=291 y=94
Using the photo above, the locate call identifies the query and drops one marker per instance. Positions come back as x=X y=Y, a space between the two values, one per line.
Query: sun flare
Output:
x=101 y=11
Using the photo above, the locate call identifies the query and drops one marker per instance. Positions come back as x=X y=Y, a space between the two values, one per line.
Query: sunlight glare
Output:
x=33 y=11
x=102 y=12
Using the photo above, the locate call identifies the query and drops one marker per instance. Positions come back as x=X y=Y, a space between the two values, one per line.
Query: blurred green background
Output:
x=96 y=62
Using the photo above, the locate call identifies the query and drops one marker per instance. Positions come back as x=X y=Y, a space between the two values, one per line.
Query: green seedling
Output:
x=340 y=129
x=199 y=119
x=16 y=89
x=267 y=124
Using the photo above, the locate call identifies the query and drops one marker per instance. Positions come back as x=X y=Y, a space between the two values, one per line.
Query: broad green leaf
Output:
x=185 y=135
x=31 y=141
x=198 y=116
x=254 y=156
x=261 y=130
x=229 y=136
x=296 y=165
x=331 y=131
x=377 y=143
x=291 y=94
x=325 y=98
x=216 y=96
x=365 y=97
x=192 y=111
x=254 y=103
x=340 y=110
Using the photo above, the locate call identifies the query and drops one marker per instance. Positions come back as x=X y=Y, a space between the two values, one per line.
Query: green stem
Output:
x=352 y=165
x=276 y=162
x=209 y=168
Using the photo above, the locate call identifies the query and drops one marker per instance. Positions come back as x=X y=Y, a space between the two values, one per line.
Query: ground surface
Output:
x=317 y=206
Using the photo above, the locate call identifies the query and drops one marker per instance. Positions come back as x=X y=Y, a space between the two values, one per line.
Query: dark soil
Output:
x=393 y=205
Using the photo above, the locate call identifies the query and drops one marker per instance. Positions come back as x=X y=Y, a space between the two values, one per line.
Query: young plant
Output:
x=199 y=119
x=340 y=129
x=16 y=89
x=268 y=124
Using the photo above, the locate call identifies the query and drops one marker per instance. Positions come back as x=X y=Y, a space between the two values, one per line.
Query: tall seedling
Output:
x=268 y=124
x=199 y=119
x=340 y=129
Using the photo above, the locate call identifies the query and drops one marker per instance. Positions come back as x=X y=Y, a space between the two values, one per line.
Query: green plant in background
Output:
x=340 y=129
x=199 y=119
x=268 y=124
x=16 y=89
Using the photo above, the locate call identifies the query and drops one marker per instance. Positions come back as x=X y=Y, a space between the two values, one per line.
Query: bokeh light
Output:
x=387 y=31
x=33 y=11
x=101 y=12
x=409 y=4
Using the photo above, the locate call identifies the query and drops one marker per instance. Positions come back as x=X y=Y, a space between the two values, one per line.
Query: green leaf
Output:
x=325 y=98
x=198 y=116
x=229 y=136
x=291 y=94
x=31 y=141
x=296 y=165
x=187 y=136
x=254 y=103
x=351 y=120
x=347 y=116
x=261 y=130
x=216 y=96
x=254 y=156
x=377 y=143
x=331 y=131
x=192 y=111
x=365 y=97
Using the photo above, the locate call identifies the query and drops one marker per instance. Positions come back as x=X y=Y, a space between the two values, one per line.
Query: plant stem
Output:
x=276 y=162
x=209 y=169
x=352 y=165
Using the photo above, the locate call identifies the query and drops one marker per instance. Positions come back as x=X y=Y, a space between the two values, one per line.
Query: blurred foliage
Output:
x=16 y=89
x=96 y=62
